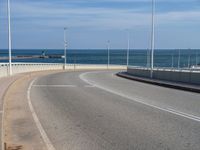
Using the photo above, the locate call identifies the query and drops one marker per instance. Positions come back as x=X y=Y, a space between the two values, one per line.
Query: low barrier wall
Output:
x=30 y=67
x=183 y=76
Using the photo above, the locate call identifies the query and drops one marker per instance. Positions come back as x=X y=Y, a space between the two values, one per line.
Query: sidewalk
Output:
x=175 y=85
x=4 y=85
x=18 y=124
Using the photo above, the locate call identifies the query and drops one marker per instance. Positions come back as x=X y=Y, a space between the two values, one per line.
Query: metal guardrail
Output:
x=15 y=64
x=167 y=69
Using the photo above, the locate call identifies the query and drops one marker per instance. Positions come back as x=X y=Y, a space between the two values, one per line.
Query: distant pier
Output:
x=34 y=56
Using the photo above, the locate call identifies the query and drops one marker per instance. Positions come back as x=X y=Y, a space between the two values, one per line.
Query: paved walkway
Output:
x=4 y=84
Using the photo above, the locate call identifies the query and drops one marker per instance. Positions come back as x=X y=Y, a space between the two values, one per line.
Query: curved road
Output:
x=100 y=111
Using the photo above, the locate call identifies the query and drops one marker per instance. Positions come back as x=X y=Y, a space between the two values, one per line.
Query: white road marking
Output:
x=62 y=86
x=54 y=86
x=176 y=112
x=38 y=124
x=89 y=86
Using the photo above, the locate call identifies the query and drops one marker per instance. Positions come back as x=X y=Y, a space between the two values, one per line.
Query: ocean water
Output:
x=162 y=58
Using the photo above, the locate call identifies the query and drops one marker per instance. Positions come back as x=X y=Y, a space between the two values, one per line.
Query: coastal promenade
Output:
x=95 y=109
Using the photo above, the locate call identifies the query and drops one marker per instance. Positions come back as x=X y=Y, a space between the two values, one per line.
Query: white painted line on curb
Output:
x=176 y=112
x=54 y=86
x=38 y=124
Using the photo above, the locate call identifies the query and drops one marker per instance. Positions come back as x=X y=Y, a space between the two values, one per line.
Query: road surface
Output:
x=100 y=111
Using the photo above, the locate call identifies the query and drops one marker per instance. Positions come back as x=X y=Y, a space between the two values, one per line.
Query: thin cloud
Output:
x=77 y=16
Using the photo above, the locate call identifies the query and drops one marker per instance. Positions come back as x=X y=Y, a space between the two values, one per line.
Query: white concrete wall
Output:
x=30 y=67
x=184 y=76
x=3 y=71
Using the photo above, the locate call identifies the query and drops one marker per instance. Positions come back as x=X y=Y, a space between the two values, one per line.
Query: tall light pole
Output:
x=196 y=61
x=179 y=58
x=128 y=47
x=189 y=59
x=9 y=39
x=65 y=48
x=148 y=59
x=108 y=50
x=172 y=65
x=152 y=37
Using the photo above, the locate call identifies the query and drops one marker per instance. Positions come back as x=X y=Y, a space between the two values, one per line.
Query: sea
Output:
x=173 y=58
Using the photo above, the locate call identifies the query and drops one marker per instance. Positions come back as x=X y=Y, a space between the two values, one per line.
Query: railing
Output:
x=175 y=75
x=167 y=69
x=30 y=67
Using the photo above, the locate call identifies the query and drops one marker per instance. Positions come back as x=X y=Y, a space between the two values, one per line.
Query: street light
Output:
x=9 y=39
x=179 y=58
x=128 y=47
x=65 y=48
x=108 y=49
x=152 y=37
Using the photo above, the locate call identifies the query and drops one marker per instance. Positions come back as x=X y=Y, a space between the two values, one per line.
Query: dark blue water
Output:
x=162 y=58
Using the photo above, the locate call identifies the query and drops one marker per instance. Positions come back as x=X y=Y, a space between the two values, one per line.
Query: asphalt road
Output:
x=100 y=111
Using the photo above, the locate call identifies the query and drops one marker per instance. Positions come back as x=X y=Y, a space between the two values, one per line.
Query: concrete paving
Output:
x=100 y=111
x=4 y=84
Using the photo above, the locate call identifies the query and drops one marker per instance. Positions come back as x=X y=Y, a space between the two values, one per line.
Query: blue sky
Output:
x=39 y=23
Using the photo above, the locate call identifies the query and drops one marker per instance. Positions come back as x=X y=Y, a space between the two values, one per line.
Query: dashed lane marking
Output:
x=89 y=86
x=63 y=86
x=54 y=86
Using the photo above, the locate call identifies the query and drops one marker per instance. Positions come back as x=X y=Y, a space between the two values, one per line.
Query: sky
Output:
x=39 y=24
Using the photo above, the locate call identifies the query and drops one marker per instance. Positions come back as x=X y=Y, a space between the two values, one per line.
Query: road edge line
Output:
x=45 y=138
x=172 y=111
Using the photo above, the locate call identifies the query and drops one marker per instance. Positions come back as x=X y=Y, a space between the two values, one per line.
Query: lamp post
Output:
x=147 y=58
x=179 y=58
x=189 y=59
x=108 y=50
x=152 y=38
x=196 y=61
x=128 y=48
x=65 y=48
x=9 y=39
x=172 y=65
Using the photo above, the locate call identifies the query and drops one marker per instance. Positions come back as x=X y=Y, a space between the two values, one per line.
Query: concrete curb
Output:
x=179 y=86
